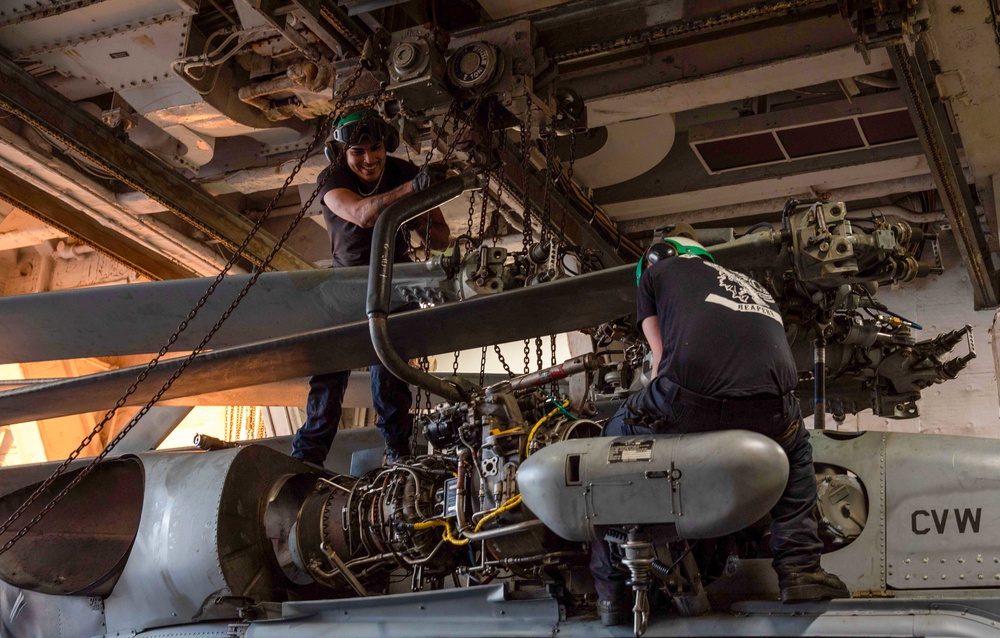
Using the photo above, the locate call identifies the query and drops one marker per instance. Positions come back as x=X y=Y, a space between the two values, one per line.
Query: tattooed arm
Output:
x=363 y=211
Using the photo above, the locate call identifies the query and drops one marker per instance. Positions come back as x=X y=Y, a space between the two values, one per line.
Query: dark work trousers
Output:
x=392 y=399
x=794 y=541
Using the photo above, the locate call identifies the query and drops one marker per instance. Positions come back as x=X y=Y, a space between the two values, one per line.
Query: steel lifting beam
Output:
x=931 y=122
x=44 y=108
x=79 y=225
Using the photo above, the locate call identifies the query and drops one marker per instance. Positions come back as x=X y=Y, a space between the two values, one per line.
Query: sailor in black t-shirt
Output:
x=721 y=362
x=360 y=183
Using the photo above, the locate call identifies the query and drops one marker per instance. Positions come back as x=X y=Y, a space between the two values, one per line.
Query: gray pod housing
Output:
x=707 y=485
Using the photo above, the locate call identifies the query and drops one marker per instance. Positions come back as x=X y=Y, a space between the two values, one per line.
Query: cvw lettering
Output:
x=963 y=520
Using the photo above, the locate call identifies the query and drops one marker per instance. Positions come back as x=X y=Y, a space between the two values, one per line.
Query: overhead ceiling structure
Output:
x=157 y=131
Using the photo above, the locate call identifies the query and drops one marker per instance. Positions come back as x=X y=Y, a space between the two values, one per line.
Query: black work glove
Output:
x=428 y=175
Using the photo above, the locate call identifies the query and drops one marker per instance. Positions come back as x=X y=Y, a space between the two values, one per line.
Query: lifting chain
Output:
x=527 y=356
x=490 y=126
x=451 y=112
x=425 y=365
x=525 y=139
x=552 y=345
x=321 y=130
x=526 y=238
x=546 y=217
x=489 y=174
x=468 y=231
x=503 y=362
x=482 y=368
x=538 y=352
x=501 y=149
x=460 y=131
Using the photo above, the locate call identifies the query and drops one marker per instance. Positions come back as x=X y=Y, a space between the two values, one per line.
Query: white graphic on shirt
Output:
x=747 y=295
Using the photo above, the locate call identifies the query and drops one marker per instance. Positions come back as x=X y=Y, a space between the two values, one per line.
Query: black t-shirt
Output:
x=351 y=244
x=722 y=332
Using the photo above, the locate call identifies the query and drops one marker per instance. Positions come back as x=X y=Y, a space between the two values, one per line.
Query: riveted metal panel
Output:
x=943 y=512
x=861 y=564
x=138 y=54
x=30 y=27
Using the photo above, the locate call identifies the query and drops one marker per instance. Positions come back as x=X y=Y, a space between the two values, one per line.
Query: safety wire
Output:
x=99 y=427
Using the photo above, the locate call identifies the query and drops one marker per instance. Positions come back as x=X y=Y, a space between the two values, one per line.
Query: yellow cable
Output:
x=446 y=534
x=510 y=504
x=531 y=434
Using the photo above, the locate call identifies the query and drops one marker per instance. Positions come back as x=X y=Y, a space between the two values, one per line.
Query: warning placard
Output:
x=631 y=451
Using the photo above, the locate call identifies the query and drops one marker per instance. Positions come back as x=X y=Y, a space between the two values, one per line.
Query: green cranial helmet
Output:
x=669 y=247
x=360 y=126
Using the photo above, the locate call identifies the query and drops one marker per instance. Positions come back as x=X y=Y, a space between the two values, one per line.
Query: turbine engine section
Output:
x=703 y=485
x=356 y=531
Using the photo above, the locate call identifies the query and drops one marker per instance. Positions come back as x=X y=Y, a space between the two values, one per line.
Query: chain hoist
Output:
x=321 y=131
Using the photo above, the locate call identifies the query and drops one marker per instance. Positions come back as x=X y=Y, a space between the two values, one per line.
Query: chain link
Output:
x=425 y=365
x=482 y=368
x=525 y=129
x=552 y=345
x=503 y=362
x=321 y=130
x=468 y=231
x=546 y=216
x=538 y=352
x=501 y=149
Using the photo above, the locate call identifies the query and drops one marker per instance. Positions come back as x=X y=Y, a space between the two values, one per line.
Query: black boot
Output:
x=807 y=586
x=614 y=612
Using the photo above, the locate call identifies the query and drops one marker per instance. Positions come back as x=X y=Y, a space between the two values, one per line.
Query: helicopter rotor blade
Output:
x=551 y=308
x=138 y=318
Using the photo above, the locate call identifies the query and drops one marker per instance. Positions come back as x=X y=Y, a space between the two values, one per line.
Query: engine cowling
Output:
x=706 y=485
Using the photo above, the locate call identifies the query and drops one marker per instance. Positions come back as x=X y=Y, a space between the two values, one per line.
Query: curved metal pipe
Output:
x=380 y=280
x=516 y=528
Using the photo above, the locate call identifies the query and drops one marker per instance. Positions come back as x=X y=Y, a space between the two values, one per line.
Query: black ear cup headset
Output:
x=355 y=128
x=669 y=247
